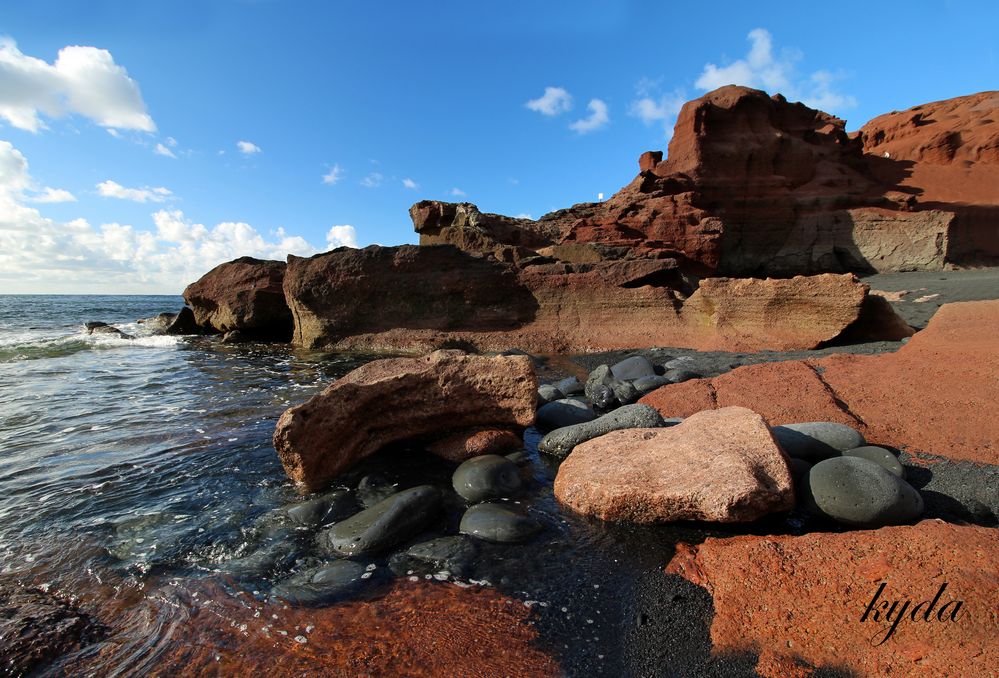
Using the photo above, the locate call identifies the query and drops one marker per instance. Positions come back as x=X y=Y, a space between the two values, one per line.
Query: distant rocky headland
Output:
x=747 y=236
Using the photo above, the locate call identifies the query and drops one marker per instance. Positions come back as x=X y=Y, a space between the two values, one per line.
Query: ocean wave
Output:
x=20 y=347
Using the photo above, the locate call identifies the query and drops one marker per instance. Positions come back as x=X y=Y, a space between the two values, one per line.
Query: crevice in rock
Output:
x=840 y=403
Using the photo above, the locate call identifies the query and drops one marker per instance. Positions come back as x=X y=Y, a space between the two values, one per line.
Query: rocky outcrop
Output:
x=803 y=602
x=398 y=399
x=422 y=298
x=417 y=290
x=721 y=466
x=754 y=185
x=936 y=395
x=244 y=294
x=945 y=156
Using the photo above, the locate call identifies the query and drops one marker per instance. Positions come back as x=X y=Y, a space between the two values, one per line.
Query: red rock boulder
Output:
x=244 y=294
x=721 y=466
x=398 y=399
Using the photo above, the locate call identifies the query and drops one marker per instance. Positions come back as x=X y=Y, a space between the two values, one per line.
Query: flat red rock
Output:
x=800 y=600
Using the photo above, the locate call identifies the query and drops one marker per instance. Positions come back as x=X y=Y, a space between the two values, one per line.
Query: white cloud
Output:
x=16 y=183
x=555 y=100
x=38 y=254
x=248 y=147
x=373 y=180
x=598 y=118
x=457 y=192
x=409 y=183
x=776 y=73
x=523 y=215
x=171 y=142
x=341 y=236
x=334 y=175
x=160 y=149
x=661 y=109
x=112 y=189
x=50 y=195
x=83 y=80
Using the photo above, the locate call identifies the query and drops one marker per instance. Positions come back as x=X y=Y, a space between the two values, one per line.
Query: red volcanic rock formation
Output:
x=422 y=298
x=800 y=601
x=399 y=399
x=756 y=185
x=946 y=156
x=936 y=395
x=721 y=466
x=244 y=294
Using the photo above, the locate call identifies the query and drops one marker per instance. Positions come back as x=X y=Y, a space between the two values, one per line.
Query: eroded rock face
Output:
x=245 y=295
x=349 y=292
x=801 y=599
x=399 y=399
x=936 y=395
x=720 y=466
x=421 y=298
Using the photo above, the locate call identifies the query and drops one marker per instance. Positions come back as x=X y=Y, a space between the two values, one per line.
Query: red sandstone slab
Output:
x=939 y=394
x=800 y=600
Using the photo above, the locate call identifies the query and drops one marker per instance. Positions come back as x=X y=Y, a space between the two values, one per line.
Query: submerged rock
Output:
x=858 y=492
x=718 y=465
x=384 y=525
x=561 y=441
x=487 y=477
x=99 y=328
x=497 y=523
x=320 y=585
x=455 y=554
x=374 y=488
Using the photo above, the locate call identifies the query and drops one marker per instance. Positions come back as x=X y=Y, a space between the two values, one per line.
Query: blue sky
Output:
x=136 y=111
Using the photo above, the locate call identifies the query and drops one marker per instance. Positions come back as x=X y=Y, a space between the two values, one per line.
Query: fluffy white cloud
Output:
x=160 y=149
x=334 y=175
x=598 y=118
x=50 y=195
x=248 y=147
x=112 y=189
x=555 y=100
x=409 y=183
x=661 y=109
x=83 y=80
x=762 y=69
x=16 y=183
x=457 y=192
x=373 y=180
x=341 y=236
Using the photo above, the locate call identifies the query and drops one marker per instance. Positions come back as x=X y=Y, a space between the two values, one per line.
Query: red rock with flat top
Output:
x=721 y=466
x=476 y=442
x=938 y=394
x=399 y=399
x=800 y=600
